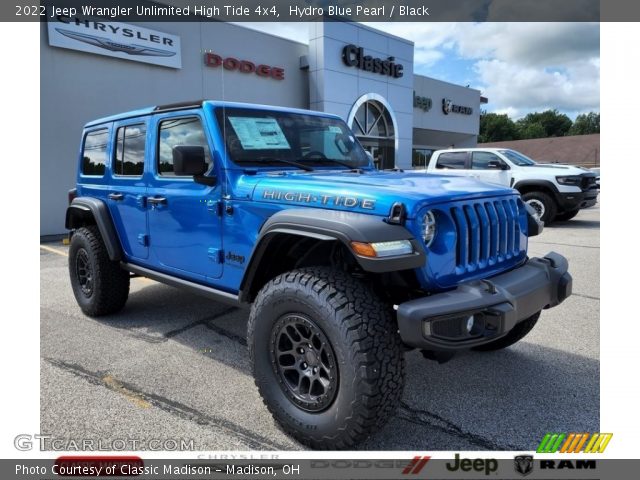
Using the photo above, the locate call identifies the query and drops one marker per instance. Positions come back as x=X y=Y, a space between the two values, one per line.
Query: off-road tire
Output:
x=566 y=216
x=362 y=333
x=109 y=283
x=515 y=335
x=550 y=207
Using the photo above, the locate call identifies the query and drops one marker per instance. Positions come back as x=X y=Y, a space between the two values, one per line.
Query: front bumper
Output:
x=492 y=307
x=574 y=201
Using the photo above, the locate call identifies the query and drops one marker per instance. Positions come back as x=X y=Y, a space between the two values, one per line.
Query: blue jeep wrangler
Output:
x=343 y=267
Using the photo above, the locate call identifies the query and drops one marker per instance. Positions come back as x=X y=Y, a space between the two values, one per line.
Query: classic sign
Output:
x=353 y=56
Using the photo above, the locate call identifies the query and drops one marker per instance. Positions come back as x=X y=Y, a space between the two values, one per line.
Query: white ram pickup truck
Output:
x=556 y=192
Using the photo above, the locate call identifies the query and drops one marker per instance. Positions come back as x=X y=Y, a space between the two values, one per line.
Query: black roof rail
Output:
x=178 y=106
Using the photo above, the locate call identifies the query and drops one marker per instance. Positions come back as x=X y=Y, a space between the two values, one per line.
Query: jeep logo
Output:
x=423 y=103
x=486 y=465
x=235 y=258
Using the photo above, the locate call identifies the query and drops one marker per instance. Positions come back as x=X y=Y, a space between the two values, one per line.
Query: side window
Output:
x=180 y=131
x=480 y=160
x=94 y=153
x=130 y=143
x=453 y=160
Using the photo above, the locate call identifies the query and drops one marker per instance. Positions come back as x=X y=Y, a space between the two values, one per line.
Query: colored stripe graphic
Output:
x=416 y=465
x=551 y=442
x=574 y=443
x=578 y=448
x=598 y=443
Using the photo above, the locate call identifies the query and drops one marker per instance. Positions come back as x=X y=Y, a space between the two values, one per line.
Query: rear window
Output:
x=94 y=152
x=452 y=160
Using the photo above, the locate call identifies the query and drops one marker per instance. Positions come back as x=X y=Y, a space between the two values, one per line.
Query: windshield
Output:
x=257 y=137
x=517 y=158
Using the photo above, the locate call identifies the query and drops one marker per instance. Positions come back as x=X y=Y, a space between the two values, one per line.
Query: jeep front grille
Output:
x=488 y=233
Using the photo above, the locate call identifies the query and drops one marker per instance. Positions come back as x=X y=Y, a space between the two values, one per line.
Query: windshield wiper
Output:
x=301 y=166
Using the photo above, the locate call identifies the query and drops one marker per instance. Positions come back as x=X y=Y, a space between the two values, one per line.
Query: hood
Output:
x=559 y=169
x=371 y=192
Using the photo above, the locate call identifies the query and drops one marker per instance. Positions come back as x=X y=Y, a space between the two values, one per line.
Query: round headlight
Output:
x=428 y=227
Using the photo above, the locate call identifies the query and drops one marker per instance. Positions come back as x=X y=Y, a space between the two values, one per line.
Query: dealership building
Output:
x=93 y=68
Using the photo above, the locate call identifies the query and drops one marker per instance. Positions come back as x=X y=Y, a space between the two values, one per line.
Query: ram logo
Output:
x=523 y=464
x=447 y=106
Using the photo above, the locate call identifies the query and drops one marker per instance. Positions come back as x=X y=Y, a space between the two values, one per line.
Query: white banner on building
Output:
x=115 y=39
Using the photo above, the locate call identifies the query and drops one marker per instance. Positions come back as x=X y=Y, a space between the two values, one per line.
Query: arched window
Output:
x=372 y=119
x=373 y=124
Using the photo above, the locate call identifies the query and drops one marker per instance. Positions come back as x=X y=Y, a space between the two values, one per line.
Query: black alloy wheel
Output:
x=304 y=362
x=84 y=272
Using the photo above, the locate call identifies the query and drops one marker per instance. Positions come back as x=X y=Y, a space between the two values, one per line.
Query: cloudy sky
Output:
x=520 y=67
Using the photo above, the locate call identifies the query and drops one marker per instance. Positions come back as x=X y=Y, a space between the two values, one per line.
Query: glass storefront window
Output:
x=420 y=157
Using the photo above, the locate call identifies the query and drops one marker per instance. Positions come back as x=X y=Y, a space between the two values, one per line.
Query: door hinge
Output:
x=215 y=206
x=143 y=239
x=216 y=255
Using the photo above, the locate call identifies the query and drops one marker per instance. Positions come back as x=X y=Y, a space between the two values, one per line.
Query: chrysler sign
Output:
x=113 y=39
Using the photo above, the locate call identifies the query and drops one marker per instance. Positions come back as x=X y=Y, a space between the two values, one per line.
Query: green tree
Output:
x=532 y=130
x=497 y=128
x=586 y=124
x=554 y=124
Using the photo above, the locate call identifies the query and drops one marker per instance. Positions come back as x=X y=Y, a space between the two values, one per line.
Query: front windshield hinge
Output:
x=397 y=215
x=215 y=206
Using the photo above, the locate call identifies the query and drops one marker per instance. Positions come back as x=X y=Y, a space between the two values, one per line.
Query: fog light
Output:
x=470 y=321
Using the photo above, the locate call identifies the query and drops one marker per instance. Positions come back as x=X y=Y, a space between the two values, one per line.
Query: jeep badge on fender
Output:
x=339 y=264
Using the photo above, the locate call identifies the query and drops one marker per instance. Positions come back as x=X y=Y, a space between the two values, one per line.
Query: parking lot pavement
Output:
x=174 y=366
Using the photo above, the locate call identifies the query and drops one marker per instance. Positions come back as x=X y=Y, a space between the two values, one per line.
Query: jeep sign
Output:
x=113 y=39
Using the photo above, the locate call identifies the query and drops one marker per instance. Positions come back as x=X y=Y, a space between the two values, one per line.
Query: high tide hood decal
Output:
x=371 y=192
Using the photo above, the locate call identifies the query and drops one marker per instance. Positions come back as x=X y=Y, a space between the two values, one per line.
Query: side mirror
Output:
x=497 y=165
x=369 y=156
x=188 y=160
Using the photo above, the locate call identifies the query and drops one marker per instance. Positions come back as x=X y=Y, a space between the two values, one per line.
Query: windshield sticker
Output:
x=259 y=133
x=335 y=129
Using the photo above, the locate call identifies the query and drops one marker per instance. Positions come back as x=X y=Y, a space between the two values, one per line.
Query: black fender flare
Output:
x=545 y=184
x=89 y=210
x=331 y=225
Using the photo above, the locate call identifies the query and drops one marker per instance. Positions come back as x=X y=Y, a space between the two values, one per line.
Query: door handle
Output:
x=157 y=200
x=116 y=196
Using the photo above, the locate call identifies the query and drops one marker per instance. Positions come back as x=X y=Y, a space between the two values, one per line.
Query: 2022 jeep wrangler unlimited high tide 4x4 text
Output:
x=343 y=266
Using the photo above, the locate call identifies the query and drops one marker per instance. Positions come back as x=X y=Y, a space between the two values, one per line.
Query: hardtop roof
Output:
x=198 y=104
